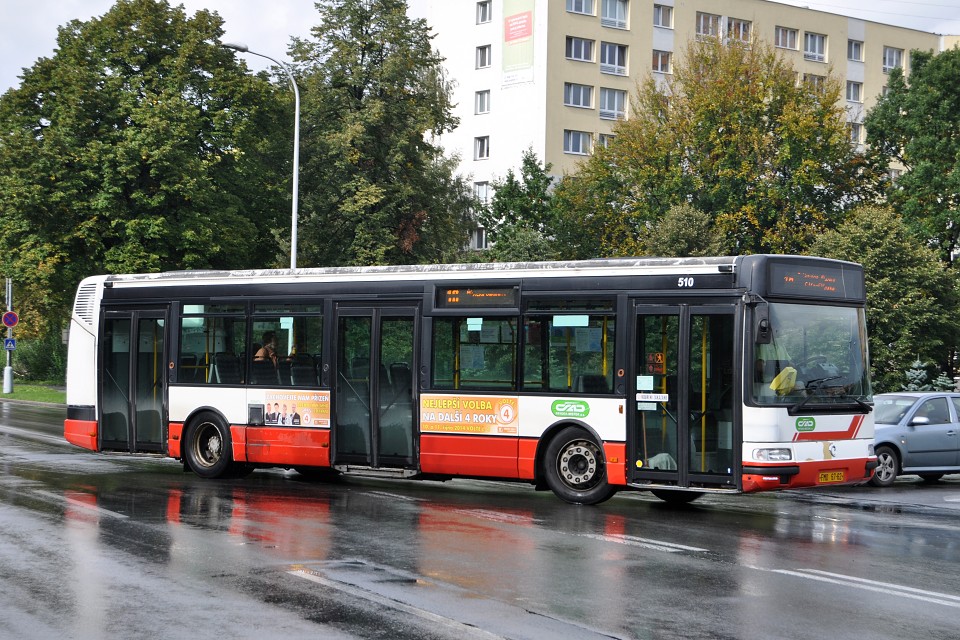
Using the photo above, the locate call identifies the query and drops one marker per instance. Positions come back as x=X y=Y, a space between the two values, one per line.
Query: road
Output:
x=95 y=546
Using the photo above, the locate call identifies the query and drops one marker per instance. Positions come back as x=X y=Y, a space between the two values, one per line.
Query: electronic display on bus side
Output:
x=815 y=280
x=477 y=297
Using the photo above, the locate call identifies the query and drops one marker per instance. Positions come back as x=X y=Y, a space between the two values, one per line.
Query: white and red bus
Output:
x=679 y=376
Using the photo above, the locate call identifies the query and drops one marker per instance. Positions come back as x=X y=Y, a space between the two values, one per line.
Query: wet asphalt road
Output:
x=96 y=546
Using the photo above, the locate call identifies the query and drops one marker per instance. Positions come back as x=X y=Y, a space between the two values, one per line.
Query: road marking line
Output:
x=934 y=597
x=657 y=545
x=464 y=629
x=77 y=504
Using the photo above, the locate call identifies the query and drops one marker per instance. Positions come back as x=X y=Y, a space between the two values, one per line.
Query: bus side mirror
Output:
x=761 y=325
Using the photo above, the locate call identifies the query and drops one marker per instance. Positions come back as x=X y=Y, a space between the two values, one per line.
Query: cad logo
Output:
x=806 y=424
x=570 y=409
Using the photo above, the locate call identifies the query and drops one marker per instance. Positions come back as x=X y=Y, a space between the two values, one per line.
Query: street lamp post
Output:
x=242 y=48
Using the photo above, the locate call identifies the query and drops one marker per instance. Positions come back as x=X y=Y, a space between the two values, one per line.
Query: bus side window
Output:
x=475 y=353
x=569 y=353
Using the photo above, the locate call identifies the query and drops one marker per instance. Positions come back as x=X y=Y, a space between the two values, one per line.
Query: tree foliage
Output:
x=683 y=231
x=733 y=134
x=377 y=190
x=140 y=145
x=911 y=295
x=520 y=217
x=916 y=124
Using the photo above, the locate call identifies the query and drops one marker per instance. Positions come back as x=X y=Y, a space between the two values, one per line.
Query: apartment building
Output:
x=556 y=75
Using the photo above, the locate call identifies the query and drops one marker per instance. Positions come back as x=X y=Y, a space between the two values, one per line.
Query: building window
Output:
x=577 y=142
x=708 y=25
x=785 y=38
x=854 y=91
x=481 y=190
x=739 y=30
x=578 y=95
x=605 y=139
x=482 y=101
x=663 y=16
x=815 y=47
x=481 y=148
x=856 y=132
x=579 y=49
x=814 y=81
x=613 y=104
x=478 y=239
x=613 y=13
x=661 y=61
x=892 y=59
x=484 y=9
x=483 y=56
x=855 y=50
x=613 y=58
x=580 y=6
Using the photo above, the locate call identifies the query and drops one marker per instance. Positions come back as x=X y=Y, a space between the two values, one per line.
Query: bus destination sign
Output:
x=820 y=281
x=476 y=297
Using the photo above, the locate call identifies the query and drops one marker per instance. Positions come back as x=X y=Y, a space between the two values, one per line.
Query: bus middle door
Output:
x=374 y=404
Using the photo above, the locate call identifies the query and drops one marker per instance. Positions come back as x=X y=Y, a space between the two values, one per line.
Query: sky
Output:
x=28 y=28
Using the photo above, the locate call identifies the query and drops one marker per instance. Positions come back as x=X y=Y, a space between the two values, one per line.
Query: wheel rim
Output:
x=885 y=466
x=578 y=464
x=207 y=444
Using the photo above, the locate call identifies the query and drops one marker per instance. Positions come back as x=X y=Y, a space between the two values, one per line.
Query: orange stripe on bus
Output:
x=491 y=456
x=82 y=433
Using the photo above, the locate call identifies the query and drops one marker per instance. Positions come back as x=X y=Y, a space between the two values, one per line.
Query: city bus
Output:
x=679 y=376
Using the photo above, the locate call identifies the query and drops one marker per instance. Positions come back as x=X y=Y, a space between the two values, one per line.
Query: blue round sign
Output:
x=10 y=319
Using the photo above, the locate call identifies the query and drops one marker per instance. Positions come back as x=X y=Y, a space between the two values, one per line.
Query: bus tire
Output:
x=575 y=469
x=208 y=446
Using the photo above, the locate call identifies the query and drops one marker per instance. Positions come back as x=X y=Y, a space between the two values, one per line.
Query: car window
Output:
x=956 y=406
x=935 y=409
x=891 y=409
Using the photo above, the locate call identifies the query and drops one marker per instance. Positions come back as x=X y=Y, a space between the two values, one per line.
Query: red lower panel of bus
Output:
x=82 y=433
x=279 y=445
x=812 y=474
x=616 y=454
x=490 y=456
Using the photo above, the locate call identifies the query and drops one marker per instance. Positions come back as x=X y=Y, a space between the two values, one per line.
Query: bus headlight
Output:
x=772 y=455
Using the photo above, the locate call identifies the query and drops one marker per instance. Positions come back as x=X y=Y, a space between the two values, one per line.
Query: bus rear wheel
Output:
x=208 y=446
x=575 y=468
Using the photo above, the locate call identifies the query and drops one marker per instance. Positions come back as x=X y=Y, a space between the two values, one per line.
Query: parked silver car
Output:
x=916 y=433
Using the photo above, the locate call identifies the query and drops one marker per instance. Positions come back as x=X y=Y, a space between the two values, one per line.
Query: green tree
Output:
x=916 y=124
x=917 y=379
x=519 y=219
x=911 y=299
x=734 y=135
x=378 y=190
x=683 y=231
x=140 y=145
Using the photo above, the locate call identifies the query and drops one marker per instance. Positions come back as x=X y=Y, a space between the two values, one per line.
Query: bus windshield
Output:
x=817 y=355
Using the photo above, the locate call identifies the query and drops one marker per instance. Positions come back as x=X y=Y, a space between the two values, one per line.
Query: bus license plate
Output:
x=832 y=476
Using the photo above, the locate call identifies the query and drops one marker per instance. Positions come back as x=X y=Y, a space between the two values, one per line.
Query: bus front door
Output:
x=374 y=403
x=133 y=389
x=683 y=419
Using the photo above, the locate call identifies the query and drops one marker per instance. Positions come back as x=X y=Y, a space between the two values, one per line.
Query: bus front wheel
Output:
x=208 y=446
x=575 y=468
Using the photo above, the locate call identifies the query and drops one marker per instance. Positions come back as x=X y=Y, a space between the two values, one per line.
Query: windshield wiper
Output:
x=811 y=387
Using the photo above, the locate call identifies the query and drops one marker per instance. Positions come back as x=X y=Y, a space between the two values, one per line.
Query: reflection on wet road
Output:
x=99 y=546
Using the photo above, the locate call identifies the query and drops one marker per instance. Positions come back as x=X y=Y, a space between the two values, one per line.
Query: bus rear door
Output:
x=683 y=398
x=132 y=408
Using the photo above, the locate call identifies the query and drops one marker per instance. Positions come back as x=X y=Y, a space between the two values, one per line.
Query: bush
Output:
x=41 y=359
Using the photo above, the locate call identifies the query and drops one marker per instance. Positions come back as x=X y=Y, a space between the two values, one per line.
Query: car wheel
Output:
x=208 y=446
x=888 y=466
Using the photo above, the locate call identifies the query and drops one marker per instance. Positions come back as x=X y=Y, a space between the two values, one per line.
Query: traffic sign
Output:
x=10 y=319
x=10 y=344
